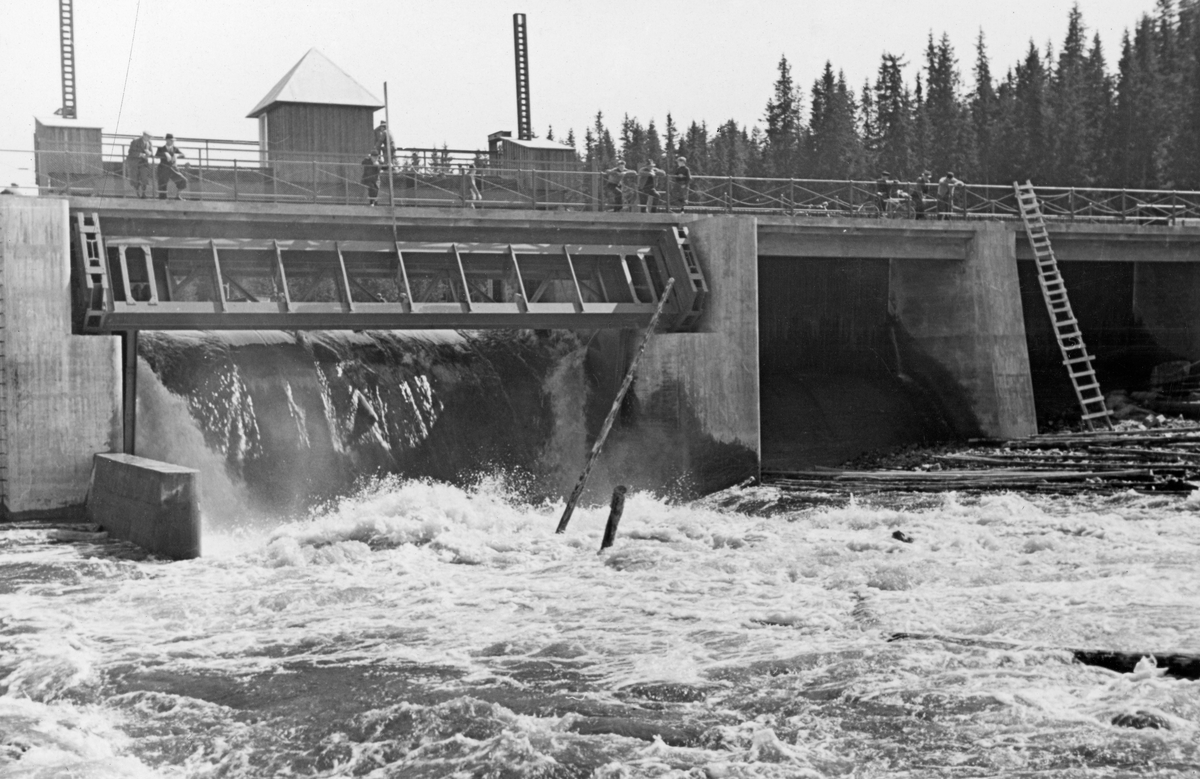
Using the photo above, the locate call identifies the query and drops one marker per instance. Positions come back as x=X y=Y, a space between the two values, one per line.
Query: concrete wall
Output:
x=149 y=503
x=697 y=394
x=61 y=393
x=963 y=322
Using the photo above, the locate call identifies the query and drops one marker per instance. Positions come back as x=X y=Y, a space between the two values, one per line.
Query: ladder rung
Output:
x=1085 y=387
x=1066 y=323
x=1081 y=374
x=1084 y=358
x=1097 y=414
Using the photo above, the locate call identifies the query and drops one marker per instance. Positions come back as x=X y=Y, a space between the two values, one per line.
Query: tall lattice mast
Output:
x=521 y=50
x=66 y=30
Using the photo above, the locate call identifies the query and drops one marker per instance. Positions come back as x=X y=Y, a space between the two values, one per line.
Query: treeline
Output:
x=1058 y=118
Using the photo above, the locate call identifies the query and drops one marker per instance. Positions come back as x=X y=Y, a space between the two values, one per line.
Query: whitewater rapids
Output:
x=417 y=629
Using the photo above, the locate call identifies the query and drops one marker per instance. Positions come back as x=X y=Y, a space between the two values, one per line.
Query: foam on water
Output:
x=421 y=629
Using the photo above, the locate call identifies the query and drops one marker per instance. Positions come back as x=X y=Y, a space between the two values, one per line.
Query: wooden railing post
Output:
x=235 y=179
x=729 y=194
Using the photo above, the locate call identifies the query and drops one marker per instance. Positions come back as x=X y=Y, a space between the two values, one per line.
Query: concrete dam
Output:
x=796 y=342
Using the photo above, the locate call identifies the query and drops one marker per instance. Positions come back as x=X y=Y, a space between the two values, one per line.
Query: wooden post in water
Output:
x=612 y=413
x=614 y=518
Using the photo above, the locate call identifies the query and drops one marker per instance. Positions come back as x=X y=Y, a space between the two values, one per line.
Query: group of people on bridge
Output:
x=643 y=189
x=889 y=192
x=143 y=162
x=376 y=163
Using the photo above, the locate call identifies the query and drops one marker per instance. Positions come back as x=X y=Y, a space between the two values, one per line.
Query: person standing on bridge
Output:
x=371 y=165
x=682 y=178
x=473 y=191
x=384 y=144
x=919 y=191
x=629 y=189
x=648 y=194
x=138 y=165
x=168 y=170
x=612 y=183
x=883 y=191
x=947 y=186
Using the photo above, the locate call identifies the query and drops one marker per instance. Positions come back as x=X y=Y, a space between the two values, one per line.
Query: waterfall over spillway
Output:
x=279 y=421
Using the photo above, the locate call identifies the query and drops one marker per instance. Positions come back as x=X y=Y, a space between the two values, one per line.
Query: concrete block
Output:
x=149 y=503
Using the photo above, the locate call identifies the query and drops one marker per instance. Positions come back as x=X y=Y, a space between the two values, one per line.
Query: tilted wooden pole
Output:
x=614 y=518
x=612 y=413
x=387 y=115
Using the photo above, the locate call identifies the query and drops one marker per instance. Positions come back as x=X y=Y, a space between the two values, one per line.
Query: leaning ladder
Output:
x=1062 y=318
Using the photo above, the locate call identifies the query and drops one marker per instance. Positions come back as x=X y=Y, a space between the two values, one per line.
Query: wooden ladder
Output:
x=1062 y=318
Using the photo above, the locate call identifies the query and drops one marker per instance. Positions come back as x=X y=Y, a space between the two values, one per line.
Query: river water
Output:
x=412 y=628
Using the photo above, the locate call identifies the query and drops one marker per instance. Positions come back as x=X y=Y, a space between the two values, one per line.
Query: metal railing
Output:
x=443 y=178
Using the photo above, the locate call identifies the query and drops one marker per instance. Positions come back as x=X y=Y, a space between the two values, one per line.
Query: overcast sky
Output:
x=196 y=68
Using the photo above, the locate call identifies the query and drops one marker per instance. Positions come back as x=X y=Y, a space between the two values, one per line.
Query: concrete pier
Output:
x=966 y=317
x=149 y=503
x=700 y=391
x=61 y=393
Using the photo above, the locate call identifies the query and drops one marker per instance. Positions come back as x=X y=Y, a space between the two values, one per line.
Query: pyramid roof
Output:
x=315 y=79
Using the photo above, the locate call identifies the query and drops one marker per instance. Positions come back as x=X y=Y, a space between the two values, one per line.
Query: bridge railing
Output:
x=443 y=178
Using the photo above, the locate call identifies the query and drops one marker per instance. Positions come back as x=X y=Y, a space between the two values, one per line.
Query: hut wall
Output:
x=335 y=137
x=66 y=154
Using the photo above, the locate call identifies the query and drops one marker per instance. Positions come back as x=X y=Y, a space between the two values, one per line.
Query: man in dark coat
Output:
x=138 y=166
x=370 y=176
x=681 y=180
x=168 y=169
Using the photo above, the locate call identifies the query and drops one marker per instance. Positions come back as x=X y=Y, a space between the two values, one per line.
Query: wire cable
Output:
x=128 y=64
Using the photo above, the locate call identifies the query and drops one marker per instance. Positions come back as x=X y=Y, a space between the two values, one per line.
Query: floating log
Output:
x=1180 y=666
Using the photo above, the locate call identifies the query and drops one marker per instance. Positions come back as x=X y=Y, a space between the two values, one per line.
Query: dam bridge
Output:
x=796 y=341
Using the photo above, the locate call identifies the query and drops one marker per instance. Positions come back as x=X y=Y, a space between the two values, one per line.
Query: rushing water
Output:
x=417 y=629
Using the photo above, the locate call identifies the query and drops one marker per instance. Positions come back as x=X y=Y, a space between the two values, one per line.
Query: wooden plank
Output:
x=347 y=298
x=462 y=274
x=125 y=275
x=404 y=277
x=283 y=281
x=150 y=275
x=523 y=301
x=218 y=287
x=574 y=279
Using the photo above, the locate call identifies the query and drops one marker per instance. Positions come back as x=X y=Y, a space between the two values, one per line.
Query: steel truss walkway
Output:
x=142 y=282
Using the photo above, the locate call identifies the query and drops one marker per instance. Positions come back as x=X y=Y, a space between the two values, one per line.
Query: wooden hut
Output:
x=316 y=123
x=547 y=171
x=68 y=153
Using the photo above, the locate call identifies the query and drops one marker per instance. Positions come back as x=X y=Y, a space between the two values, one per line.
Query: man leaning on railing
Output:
x=947 y=187
x=168 y=170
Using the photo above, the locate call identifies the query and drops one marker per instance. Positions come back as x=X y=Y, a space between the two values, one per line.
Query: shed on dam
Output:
x=316 y=111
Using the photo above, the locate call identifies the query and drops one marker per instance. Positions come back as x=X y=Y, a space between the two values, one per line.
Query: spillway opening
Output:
x=1131 y=320
x=838 y=377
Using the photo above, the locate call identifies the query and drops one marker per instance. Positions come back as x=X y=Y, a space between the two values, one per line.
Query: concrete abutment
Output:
x=61 y=393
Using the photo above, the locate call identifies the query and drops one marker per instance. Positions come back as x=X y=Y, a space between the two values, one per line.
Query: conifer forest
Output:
x=1061 y=116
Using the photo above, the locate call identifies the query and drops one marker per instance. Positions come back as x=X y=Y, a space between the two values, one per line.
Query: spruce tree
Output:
x=984 y=111
x=893 y=118
x=783 y=125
